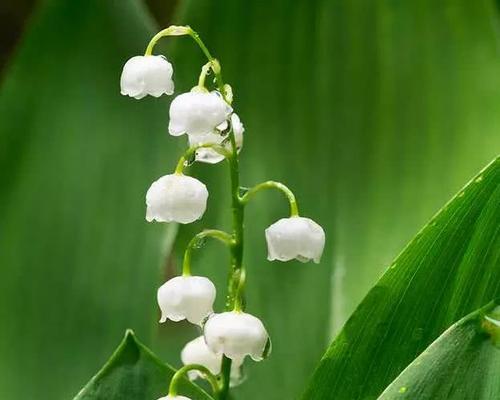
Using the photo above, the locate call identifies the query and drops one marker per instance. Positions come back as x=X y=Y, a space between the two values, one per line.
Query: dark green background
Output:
x=374 y=112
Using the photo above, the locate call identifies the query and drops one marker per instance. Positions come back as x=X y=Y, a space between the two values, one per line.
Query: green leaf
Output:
x=79 y=263
x=449 y=269
x=462 y=364
x=134 y=373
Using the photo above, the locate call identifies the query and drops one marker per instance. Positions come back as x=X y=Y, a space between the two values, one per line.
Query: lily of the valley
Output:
x=197 y=113
x=210 y=156
x=169 y=397
x=176 y=198
x=186 y=297
x=295 y=238
x=197 y=352
x=147 y=75
x=237 y=334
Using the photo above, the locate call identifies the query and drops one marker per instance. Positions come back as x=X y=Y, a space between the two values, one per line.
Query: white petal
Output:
x=207 y=155
x=147 y=75
x=197 y=352
x=236 y=334
x=186 y=297
x=174 y=398
x=197 y=113
x=176 y=198
x=210 y=156
x=295 y=238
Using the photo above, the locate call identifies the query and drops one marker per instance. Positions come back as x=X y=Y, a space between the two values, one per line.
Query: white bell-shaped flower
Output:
x=210 y=156
x=197 y=352
x=295 y=237
x=186 y=297
x=197 y=113
x=237 y=334
x=174 y=398
x=176 y=198
x=143 y=75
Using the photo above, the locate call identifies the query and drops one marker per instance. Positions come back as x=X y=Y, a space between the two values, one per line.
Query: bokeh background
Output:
x=374 y=112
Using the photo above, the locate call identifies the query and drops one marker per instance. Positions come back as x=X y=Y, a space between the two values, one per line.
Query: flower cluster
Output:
x=215 y=133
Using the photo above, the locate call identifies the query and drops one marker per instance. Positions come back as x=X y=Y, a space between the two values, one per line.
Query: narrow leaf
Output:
x=451 y=268
x=134 y=373
x=462 y=364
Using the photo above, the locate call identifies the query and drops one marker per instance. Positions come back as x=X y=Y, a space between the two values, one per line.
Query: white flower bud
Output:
x=197 y=352
x=210 y=156
x=186 y=297
x=176 y=198
x=143 y=75
x=197 y=113
x=237 y=334
x=174 y=398
x=295 y=237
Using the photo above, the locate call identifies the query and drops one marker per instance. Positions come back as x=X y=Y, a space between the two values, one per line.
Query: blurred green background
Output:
x=373 y=112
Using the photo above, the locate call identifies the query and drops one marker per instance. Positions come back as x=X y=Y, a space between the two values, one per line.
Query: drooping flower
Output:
x=176 y=198
x=186 y=297
x=237 y=334
x=295 y=238
x=210 y=156
x=174 y=398
x=197 y=113
x=143 y=75
x=197 y=352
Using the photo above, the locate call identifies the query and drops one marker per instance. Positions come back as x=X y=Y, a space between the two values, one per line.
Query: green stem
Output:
x=237 y=206
x=188 y=154
x=221 y=236
x=235 y=289
x=187 y=30
x=294 y=209
x=180 y=374
x=203 y=74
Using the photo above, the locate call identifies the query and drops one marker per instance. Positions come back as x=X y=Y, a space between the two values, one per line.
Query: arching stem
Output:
x=221 y=236
x=294 y=209
x=182 y=372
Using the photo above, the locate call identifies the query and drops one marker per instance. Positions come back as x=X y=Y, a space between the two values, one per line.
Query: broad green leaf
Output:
x=449 y=269
x=79 y=264
x=134 y=373
x=462 y=364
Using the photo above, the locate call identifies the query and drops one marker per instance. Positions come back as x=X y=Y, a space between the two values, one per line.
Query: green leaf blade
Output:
x=451 y=268
x=462 y=364
x=134 y=373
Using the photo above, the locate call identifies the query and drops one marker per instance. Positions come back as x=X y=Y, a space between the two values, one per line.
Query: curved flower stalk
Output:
x=215 y=133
